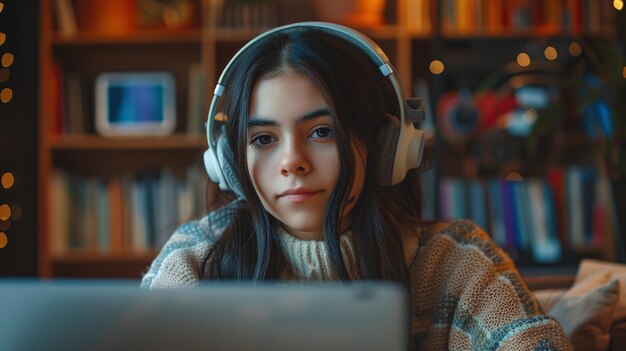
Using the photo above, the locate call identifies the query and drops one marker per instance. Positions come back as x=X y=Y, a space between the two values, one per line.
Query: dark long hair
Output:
x=359 y=98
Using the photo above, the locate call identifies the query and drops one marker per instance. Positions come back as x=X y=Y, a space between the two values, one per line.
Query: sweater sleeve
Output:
x=179 y=262
x=468 y=295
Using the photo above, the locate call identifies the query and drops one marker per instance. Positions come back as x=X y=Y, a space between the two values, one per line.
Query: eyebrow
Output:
x=256 y=121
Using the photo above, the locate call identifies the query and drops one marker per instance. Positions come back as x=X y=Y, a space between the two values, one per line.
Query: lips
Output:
x=298 y=194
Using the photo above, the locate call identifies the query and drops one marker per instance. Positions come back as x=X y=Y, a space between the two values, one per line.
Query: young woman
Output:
x=307 y=117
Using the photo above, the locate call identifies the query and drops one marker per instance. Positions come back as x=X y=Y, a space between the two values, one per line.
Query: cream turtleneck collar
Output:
x=309 y=259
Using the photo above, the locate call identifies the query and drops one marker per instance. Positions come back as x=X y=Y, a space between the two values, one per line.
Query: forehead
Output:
x=286 y=96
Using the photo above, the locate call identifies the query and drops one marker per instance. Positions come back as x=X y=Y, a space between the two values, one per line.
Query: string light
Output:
x=618 y=4
x=16 y=212
x=7 y=60
x=575 y=49
x=6 y=95
x=5 y=212
x=3 y=240
x=5 y=225
x=523 y=59
x=7 y=180
x=1 y=7
x=515 y=177
x=550 y=53
x=3 y=37
x=436 y=67
x=4 y=75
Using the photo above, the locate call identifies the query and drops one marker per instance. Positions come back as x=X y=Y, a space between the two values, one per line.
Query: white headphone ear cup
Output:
x=228 y=167
x=386 y=143
x=212 y=168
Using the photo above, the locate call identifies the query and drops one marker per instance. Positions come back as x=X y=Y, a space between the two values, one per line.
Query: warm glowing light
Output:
x=221 y=117
x=4 y=75
x=618 y=4
x=16 y=212
x=575 y=49
x=515 y=177
x=6 y=95
x=7 y=60
x=550 y=53
x=624 y=72
x=5 y=225
x=3 y=37
x=1 y=7
x=7 y=180
x=3 y=240
x=523 y=59
x=436 y=67
x=5 y=212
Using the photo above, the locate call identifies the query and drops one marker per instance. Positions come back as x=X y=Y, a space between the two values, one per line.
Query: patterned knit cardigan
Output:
x=466 y=292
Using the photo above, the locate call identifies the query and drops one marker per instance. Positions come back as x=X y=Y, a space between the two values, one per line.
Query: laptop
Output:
x=117 y=315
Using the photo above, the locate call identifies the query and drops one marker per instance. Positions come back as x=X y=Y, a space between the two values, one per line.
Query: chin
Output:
x=304 y=225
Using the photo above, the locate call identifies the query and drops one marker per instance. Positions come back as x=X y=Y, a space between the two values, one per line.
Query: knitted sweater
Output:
x=466 y=292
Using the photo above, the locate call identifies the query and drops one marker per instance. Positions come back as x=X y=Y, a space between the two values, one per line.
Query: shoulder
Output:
x=464 y=236
x=179 y=261
x=461 y=252
x=475 y=289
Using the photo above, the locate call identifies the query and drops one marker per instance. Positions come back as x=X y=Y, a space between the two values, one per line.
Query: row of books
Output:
x=259 y=14
x=132 y=213
x=75 y=104
x=572 y=209
x=419 y=14
x=540 y=16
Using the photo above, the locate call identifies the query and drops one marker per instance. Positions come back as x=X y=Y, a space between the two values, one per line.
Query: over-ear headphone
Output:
x=401 y=142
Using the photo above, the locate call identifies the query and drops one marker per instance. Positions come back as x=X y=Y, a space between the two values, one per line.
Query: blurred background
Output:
x=102 y=106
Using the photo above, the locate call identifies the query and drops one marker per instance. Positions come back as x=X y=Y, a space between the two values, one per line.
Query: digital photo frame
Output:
x=135 y=103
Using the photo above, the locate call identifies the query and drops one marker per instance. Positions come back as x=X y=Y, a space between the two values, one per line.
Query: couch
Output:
x=592 y=311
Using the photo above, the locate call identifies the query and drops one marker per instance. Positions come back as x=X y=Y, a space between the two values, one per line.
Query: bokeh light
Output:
x=5 y=212
x=1 y=7
x=575 y=49
x=6 y=95
x=7 y=60
x=16 y=212
x=5 y=225
x=523 y=59
x=3 y=37
x=436 y=67
x=618 y=4
x=4 y=75
x=3 y=240
x=7 y=180
x=515 y=177
x=550 y=53
x=624 y=72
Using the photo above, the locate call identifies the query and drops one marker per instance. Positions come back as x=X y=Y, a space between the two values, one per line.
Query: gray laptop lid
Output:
x=113 y=315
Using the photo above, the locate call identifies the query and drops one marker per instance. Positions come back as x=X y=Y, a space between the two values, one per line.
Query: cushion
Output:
x=590 y=267
x=585 y=311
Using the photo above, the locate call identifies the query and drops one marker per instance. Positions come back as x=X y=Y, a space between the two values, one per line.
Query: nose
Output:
x=294 y=159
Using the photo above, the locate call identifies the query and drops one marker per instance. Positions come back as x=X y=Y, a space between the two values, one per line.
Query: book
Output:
x=196 y=114
x=544 y=245
x=65 y=18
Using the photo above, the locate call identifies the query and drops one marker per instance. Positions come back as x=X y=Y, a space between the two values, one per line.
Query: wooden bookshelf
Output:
x=410 y=45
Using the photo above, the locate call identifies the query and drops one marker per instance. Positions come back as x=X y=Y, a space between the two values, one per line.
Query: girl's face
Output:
x=292 y=156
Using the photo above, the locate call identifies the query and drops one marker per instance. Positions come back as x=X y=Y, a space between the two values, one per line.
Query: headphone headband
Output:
x=409 y=144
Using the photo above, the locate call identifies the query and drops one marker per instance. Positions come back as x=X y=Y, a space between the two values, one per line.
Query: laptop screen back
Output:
x=113 y=315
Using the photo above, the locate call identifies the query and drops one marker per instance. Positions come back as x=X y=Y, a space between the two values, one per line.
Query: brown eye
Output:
x=262 y=140
x=323 y=132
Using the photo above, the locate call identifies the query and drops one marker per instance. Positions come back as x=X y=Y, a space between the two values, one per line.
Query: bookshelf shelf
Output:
x=154 y=36
x=88 y=142
x=100 y=257
x=196 y=56
x=522 y=35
